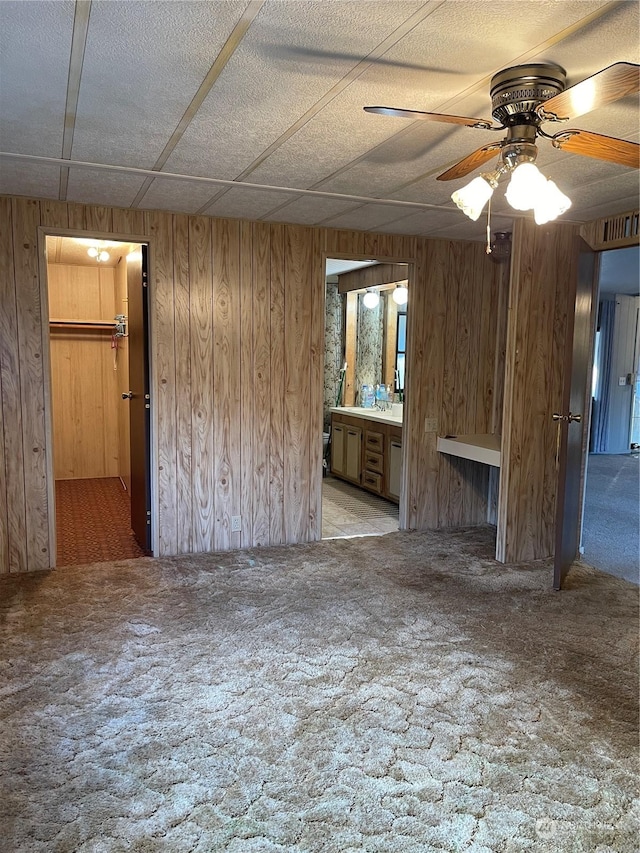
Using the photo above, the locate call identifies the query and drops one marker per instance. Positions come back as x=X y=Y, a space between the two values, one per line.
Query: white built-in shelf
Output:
x=479 y=448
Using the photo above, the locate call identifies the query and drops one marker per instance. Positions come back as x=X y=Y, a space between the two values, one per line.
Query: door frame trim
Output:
x=45 y=231
x=411 y=279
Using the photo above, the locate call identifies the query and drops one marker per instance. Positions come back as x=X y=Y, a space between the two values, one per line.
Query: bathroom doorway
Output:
x=364 y=370
x=99 y=407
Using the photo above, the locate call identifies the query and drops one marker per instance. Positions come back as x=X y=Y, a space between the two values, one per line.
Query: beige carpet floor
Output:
x=400 y=694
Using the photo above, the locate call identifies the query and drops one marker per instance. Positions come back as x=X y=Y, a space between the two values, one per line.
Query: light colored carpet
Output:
x=611 y=535
x=400 y=694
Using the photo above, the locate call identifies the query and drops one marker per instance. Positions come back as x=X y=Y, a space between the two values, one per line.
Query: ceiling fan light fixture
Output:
x=551 y=204
x=371 y=298
x=472 y=198
x=527 y=184
x=400 y=294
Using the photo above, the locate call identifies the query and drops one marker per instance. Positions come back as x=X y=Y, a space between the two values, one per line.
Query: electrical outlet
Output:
x=431 y=425
x=236 y=524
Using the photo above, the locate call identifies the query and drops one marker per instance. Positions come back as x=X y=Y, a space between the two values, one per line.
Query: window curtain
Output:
x=600 y=426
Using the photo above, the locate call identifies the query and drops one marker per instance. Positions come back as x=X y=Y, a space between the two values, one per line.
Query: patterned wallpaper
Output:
x=333 y=347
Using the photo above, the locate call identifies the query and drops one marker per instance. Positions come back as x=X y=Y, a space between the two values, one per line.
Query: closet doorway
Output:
x=99 y=398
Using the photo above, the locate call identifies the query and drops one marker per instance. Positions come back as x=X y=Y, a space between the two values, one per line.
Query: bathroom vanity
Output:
x=366 y=449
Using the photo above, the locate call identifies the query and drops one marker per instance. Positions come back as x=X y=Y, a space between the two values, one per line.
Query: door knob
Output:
x=556 y=416
x=576 y=418
x=128 y=395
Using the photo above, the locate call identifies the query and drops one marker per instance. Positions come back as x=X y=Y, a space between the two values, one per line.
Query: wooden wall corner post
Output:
x=541 y=295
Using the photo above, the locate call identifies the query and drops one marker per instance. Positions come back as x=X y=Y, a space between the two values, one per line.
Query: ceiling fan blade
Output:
x=482 y=123
x=471 y=162
x=601 y=147
x=608 y=85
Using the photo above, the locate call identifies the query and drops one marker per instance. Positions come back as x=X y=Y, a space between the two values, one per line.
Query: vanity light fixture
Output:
x=371 y=299
x=400 y=294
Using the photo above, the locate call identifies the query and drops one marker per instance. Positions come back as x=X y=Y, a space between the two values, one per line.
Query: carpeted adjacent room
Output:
x=398 y=693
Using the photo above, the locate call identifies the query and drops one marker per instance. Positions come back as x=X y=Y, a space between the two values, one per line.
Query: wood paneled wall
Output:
x=237 y=317
x=84 y=387
x=542 y=293
x=122 y=377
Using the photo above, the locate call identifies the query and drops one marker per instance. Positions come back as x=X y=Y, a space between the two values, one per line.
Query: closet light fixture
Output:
x=400 y=294
x=97 y=253
x=371 y=298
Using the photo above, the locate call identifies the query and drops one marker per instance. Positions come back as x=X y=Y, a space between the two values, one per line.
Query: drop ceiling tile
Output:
x=369 y=217
x=422 y=224
x=176 y=195
x=246 y=203
x=35 y=43
x=111 y=189
x=35 y=180
x=309 y=210
x=143 y=64
x=266 y=87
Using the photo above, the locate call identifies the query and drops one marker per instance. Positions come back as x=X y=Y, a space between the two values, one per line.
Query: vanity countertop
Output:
x=369 y=414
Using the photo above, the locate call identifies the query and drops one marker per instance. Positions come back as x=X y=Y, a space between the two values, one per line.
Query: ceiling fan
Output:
x=525 y=97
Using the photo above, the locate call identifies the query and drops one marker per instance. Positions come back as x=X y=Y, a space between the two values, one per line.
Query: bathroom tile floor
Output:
x=350 y=511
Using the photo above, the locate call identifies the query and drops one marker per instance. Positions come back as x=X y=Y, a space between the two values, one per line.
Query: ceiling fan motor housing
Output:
x=517 y=91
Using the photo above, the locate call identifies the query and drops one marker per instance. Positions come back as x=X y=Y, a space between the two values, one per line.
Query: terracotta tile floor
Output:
x=93 y=522
x=350 y=511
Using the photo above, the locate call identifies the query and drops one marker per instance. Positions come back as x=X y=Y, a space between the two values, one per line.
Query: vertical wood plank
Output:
x=277 y=368
x=98 y=218
x=75 y=213
x=262 y=382
x=202 y=420
x=226 y=380
x=297 y=400
x=26 y=218
x=13 y=497
x=316 y=383
x=182 y=348
x=159 y=226
x=247 y=419
x=54 y=214
x=4 y=520
x=129 y=222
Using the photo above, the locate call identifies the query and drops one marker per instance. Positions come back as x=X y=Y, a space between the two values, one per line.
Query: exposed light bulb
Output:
x=551 y=204
x=371 y=299
x=400 y=295
x=472 y=198
x=92 y=252
x=525 y=187
x=103 y=256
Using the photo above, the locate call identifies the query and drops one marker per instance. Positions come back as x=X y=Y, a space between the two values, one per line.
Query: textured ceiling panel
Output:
x=421 y=223
x=246 y=204
x=466 y=229
x=181 y=196
x=111 y=189
x=264 y=89
x=308 y=210
x=143 y=64
x=35 y=43
x=369 y=217
x=29 y=179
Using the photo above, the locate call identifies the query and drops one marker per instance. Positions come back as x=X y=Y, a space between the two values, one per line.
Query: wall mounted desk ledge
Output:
x=478 y=448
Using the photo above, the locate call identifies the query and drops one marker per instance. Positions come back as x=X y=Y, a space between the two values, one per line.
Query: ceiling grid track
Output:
x=450 y=104
x=231 y=44
x=76 y=61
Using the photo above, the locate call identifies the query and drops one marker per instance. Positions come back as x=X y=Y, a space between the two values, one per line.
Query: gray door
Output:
x=573 y=419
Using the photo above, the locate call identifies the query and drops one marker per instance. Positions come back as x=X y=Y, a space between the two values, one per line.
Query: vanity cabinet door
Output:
x=353 y=455
x=338 y=432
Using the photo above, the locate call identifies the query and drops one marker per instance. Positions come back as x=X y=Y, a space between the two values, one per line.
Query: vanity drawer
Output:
x=373 y=482
x=374 y=441
x=374 y=461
